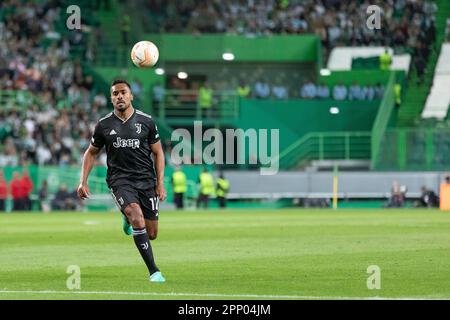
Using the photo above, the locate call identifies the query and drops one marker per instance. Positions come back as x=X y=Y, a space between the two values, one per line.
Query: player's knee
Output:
x=132 y=209
x=134 y=215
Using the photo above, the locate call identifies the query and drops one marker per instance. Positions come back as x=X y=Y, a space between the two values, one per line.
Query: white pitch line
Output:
x=174 y=294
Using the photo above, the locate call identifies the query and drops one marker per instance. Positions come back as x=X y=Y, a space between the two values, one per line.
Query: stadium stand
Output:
x=438 y=100
x=54 y=80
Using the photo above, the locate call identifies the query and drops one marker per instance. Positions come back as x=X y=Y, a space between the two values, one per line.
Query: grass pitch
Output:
x=232 y=254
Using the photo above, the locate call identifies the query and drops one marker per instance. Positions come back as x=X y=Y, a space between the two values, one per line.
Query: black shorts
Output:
x=146 y=198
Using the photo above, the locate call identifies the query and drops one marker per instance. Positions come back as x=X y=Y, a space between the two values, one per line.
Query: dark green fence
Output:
x=414 y=149
x=327 y=146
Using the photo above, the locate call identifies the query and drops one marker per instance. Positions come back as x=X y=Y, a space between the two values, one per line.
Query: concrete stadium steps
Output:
x=413 y=103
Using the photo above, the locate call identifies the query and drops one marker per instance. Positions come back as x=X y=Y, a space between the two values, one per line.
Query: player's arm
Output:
x=158 y=154
x=88 y=162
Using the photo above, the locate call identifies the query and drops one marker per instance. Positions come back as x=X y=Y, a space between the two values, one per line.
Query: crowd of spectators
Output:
x=309 y=90
x=19 y=188
x=408 y=23
x=54 y=126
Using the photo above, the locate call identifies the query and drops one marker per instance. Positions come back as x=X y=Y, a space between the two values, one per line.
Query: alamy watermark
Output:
x=73 y=282
x=251 y=145
x=374 y=280
x=374 y=20
x=73 y=22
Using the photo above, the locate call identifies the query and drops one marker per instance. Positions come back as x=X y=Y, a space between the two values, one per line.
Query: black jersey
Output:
x=127 y=145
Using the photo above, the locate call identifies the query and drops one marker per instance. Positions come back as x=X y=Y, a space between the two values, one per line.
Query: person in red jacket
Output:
x=17 y=191
x=27 y=186
x=3 y=191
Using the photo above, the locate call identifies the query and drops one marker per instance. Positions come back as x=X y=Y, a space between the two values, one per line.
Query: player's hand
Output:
x=161 y=192
x=83 y=191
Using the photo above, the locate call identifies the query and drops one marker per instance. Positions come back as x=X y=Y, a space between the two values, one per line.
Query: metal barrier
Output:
x=17 y=99
x=382 y=119
x=179 y=105
x=327 y=145
x=415 y=149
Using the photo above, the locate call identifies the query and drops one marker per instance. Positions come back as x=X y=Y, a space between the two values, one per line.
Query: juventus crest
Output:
x=138 y=128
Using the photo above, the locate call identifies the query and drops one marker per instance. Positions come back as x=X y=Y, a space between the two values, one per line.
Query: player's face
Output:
x=121 y=96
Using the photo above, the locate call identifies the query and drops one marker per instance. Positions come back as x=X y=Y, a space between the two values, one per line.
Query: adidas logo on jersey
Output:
x=112 y=132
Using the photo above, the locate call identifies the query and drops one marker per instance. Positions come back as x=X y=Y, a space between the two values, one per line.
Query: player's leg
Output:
x=206 y=201
x=126 y=226
x=197 y=204
x=141 y=237
x=152 y=228
x=181 y=201
x=149 y=202
x=127 y=198
x=176 y=200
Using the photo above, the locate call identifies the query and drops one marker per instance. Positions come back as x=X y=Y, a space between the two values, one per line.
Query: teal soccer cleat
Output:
x=127 y=228
x=157 y=277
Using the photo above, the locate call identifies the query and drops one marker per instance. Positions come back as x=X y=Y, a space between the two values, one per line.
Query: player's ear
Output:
x=131 y=97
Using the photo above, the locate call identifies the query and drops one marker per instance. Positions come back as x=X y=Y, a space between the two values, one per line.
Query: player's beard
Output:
x=121 y=107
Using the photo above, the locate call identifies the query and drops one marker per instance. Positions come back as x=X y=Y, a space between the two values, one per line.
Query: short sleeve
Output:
x=98 y=138
x=153 y=134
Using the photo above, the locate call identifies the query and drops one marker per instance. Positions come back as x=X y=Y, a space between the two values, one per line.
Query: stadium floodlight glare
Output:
x=334 y=110
x=325 y=72
x=160 y=71
x=228 y=56
x=182 y=75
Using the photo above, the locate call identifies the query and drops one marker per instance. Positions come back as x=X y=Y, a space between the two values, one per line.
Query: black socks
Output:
x=145 y=249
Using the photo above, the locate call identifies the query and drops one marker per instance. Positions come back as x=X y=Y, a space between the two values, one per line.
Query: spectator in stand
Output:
x=308 y=90
x=3 y=191
x=323 y=92
x=62 y=200
x=398 y=195
x=379 y=91
x=385 y=60
x=205 y=100
x=136 y=88
x=158 y=96
x=74 y=202
x=17 y=192
x=340 y=91
x=428 y=199
x=262 y=89
x=368 y=92
x=279 y=91
x=243 y=89
x=355 y=92
x=27 y=186
x=43 y=195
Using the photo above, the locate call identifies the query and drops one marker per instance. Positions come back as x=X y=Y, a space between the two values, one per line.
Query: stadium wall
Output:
x=356 y=185
x=295 y=118
x=210 y=47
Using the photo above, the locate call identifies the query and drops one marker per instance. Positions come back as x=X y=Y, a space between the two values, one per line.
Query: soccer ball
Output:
x=144 y=54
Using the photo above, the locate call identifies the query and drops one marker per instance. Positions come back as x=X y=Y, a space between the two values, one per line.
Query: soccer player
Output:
x=130 y=138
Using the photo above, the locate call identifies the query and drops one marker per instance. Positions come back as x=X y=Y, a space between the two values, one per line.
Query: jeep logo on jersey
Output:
x=122 y=143
x=138 y=128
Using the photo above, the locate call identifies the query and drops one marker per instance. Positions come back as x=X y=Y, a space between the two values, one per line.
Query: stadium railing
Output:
x=327 y=145
x=382 y=120
x=17 y=99
x=181 y=105
x=415 y=149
